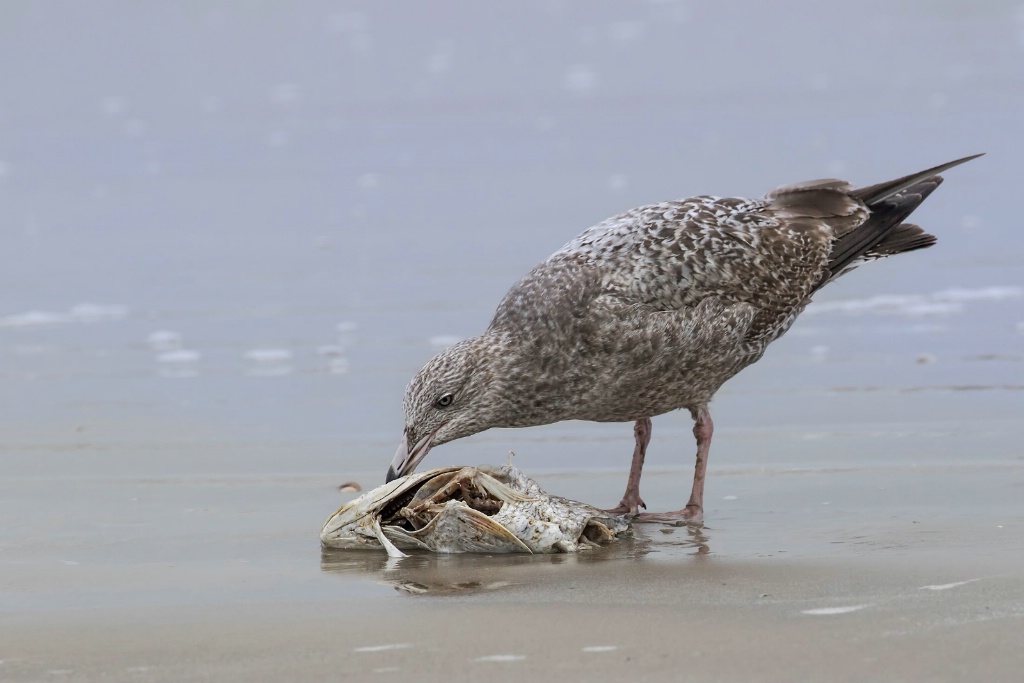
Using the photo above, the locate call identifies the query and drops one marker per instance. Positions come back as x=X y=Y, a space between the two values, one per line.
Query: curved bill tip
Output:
x=406 y=459
x=400 y=461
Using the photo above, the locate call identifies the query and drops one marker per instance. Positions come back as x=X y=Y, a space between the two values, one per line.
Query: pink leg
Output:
x=631 y=500
x=693 y=513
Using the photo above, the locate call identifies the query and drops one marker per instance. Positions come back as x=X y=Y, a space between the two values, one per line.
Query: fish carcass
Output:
x=484 y=509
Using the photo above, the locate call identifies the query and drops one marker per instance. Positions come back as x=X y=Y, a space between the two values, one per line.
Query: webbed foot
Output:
x=628 y=506
x=691 y=515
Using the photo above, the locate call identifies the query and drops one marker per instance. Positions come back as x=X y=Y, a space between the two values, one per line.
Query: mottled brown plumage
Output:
x=653 y=310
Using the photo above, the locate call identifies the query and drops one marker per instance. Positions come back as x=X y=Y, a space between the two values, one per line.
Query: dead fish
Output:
x=484 y=509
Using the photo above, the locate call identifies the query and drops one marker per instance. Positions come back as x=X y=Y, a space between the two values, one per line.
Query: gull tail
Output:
x=884 y=233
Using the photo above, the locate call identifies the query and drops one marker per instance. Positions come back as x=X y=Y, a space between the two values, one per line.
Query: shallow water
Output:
x=231 y=234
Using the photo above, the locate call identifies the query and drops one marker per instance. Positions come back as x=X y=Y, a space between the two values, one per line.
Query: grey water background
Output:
x=230 y=232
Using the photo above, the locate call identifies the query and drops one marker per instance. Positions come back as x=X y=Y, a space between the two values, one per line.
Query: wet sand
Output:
x=231 y=232
x=793 y=578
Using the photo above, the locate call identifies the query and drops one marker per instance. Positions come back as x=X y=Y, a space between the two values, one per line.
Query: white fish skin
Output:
x=528 y=520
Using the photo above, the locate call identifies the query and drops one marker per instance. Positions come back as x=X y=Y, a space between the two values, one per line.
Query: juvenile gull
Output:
x=653 y=310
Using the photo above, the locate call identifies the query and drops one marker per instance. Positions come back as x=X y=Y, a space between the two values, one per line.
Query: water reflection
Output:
x=425 y=573
x=694 y=538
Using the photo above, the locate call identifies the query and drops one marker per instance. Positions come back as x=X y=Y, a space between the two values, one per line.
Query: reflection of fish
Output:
x=483 y=509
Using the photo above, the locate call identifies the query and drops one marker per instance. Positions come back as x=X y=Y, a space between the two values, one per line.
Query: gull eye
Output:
x=445 y=401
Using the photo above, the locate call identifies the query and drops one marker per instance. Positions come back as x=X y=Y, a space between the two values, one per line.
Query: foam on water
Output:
x=178 y=363
x=944 y=302
x=947 y=586
x=34 y=319
x=891 y=304
x=338 y=366
x=982 y=294
x=179 y=356
x=337 y=363
x=268 y=362
x=268 y=355
x=84 y=313
x=346 y=333
x=827 y=611
x=164 y=340
x=383 y=648
x=500 y=658
x=269 y=371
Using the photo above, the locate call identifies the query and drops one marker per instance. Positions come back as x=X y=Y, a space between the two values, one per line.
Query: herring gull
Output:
x=653 y=310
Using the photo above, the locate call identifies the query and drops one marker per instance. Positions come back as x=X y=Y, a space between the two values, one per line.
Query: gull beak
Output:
x=406 y=460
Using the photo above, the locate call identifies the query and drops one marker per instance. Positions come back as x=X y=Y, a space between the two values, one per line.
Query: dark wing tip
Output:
x=882 y=191
x=903 y=238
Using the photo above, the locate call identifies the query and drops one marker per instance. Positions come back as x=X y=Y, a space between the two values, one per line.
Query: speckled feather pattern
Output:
x=654 y=309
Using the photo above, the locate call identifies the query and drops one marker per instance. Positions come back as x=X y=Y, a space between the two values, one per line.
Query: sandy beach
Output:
x=231 y=232
x=793 y=578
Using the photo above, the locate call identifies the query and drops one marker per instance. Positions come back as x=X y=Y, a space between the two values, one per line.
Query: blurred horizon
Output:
x=241 y=225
